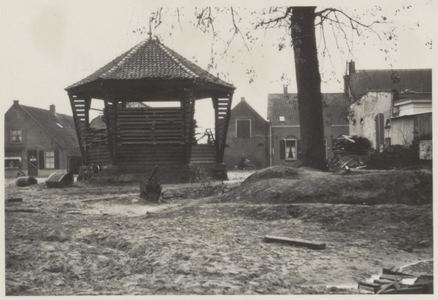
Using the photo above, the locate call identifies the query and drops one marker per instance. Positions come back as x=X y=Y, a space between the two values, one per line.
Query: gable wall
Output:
x=33 y=137
x=253 y=147
x=366 y=108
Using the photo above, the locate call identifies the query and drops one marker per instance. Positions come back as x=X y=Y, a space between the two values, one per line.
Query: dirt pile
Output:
x=290 y=185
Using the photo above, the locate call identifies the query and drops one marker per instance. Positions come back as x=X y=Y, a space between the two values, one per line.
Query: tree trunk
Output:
x=309 y=87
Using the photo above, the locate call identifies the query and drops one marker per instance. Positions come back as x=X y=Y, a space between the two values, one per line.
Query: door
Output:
x=32 y=163
x=380 y=132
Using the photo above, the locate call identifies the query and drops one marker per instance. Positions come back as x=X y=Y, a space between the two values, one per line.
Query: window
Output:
x=282 y=119
x=12 y=162
x=243 y=128
x=16 y=136
x=49 y=159
x=290 y=149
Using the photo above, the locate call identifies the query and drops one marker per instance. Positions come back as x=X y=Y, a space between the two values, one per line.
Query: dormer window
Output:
x=282 y=119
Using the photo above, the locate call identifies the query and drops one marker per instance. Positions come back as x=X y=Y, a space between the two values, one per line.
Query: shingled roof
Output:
x=59 y=126
x=151 y=60
x=416 y=80
x=335 y=108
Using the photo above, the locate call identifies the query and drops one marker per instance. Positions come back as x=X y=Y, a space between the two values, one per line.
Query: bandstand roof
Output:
x=151 y=66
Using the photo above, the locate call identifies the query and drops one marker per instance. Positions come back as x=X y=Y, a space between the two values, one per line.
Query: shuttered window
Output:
x=243 y=128
x=41 y=160
x=57 y=159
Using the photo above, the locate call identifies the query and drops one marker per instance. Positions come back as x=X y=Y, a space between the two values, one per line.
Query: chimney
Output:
x=346 y=85
x=15 y=102
x=285 y=89
x=242 y=99
x=351 y=68
x=53 y=109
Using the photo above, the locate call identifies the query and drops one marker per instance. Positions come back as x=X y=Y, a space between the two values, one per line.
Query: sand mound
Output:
x=290 y=185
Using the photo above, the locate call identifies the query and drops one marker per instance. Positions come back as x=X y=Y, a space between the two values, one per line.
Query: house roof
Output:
x=59 y=126
x=414 y=80
x=335 y=107
x=245 y=106
x=151 y=60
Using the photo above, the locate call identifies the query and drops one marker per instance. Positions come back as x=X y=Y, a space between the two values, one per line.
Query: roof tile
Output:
x=151 y=60
x=335 y=107
x=65 y=135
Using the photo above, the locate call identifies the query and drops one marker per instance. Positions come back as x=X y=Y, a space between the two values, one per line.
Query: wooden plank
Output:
x=369 y=286
x=304 y=243
x=394 y=277
x=405 y=290
x=13 y=200
x=392 y=271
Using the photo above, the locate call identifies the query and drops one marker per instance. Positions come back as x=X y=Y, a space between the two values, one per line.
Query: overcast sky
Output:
x=47 y=45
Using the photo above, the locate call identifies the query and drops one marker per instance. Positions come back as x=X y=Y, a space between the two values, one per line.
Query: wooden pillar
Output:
x=110 y=112
x=188 y=102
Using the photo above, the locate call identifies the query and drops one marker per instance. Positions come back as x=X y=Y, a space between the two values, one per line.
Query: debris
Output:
x=391 y=282
x=25 y=181
x=374 y=287
x=151 y=189
x=26 y=210
x=308 y=244
x=58 y=180
x=394 y=271
x=349 y=152
x=394 y=277
x=12 y=200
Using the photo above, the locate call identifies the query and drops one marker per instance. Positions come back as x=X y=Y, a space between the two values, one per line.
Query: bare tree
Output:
x=299 y=24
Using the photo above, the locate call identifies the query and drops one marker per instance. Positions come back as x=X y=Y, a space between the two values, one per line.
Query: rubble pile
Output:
x=392 y=281
x=349 y=151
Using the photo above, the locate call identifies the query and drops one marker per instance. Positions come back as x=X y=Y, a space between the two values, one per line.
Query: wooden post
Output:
x=111 y=126
x=189 y=111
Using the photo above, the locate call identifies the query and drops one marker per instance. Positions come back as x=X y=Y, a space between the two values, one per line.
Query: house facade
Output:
x=284 y=131
x=247 y=134
x=389 y=107
x=39 y=141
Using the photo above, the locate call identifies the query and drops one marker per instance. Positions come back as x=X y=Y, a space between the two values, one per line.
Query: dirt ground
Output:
x=105 y=240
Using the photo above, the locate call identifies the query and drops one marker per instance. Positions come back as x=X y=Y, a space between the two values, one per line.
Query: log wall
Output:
x=99 y=155
x=150 y=154
x=150 y=126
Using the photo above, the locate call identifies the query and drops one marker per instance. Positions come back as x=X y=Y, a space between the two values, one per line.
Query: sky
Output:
x=47 y=45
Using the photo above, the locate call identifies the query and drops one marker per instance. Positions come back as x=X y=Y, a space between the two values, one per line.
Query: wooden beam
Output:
x=302 y=243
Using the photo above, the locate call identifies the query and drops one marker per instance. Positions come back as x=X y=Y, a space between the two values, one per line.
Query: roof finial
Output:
x=150 y=28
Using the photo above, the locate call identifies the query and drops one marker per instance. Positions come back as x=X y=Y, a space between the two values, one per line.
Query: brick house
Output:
x=389 y=106
x=248 y=134
x=283 y=114
x=40 y=141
